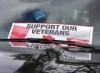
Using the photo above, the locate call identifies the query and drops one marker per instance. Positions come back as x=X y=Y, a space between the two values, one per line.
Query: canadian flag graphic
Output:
x=18 y=32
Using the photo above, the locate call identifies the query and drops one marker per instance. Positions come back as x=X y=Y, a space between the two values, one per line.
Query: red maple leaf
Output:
x=48 y=37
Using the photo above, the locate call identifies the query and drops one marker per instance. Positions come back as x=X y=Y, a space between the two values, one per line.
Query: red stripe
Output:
x=77 y=41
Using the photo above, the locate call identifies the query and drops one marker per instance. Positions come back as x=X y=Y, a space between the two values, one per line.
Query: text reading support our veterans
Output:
x=53 y=29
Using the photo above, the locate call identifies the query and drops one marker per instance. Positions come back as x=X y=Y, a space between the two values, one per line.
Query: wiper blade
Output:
x=47 y=41
x=91 y=48
x=38 y=40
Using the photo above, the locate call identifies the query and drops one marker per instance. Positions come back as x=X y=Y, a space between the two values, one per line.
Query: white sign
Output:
x=65 y=32
x=80 y=34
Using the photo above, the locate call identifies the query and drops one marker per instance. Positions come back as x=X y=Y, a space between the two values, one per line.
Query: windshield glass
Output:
x=35 y=57
x=73 y=12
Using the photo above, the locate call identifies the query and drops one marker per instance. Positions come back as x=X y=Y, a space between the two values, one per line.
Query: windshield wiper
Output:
x=92 y=48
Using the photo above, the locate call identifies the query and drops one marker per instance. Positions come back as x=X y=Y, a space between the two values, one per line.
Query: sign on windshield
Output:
x=65 y=32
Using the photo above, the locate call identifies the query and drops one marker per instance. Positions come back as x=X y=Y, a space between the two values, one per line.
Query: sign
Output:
x=65 y=32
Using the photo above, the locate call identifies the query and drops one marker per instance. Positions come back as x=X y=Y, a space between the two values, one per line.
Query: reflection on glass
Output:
x=48 y=62
x=24 y=57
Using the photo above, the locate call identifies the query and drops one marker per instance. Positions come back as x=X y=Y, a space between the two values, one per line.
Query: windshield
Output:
x=83 y=13
x=66 y=12
x=73 y=12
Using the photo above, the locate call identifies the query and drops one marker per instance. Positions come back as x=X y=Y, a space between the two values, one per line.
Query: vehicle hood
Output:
x=10 y=62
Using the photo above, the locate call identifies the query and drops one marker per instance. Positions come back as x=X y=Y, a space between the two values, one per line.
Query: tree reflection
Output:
x=24 y=57
x=41 y=63
x=35 y=64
